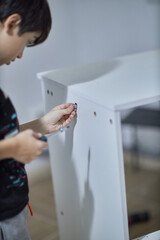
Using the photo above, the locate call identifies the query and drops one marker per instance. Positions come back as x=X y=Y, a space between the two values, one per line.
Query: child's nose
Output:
x=20 y=55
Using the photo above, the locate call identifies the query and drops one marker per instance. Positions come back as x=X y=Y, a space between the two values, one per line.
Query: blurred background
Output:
x=87 y=31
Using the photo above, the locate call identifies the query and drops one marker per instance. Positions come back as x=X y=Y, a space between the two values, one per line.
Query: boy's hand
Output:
x=58 y=117
x=27 y=146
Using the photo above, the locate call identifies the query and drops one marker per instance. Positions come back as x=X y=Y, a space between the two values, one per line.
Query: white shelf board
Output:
x=118 y=84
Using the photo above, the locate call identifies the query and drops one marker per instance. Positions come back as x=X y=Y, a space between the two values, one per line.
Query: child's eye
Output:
x=30 y=43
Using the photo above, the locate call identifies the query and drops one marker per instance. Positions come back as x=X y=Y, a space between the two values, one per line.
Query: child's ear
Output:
x=11 y=22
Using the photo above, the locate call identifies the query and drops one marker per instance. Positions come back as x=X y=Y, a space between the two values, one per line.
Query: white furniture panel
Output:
x=117 y=84
x=87 y=158
x=151 y=236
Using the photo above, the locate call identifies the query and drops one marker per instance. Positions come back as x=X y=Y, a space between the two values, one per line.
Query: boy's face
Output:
x=11 y=44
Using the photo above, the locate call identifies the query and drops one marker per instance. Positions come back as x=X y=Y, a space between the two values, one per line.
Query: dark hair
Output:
x=35 y=14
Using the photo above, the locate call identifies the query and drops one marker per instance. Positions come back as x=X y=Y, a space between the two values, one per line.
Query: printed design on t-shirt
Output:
x=10 y=127
x=15 y=173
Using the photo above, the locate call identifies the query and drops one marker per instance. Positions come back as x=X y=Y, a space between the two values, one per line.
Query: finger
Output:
x=42 y=145
x=39 y=152
x=68 y=110
x=71 y=115
x=36 y=135
x=65 y=117
x=63 y=106
x=68 y=121
x=69 y=118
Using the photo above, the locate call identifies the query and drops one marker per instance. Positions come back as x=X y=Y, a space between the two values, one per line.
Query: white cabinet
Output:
x=151 y=236
x=87 y=159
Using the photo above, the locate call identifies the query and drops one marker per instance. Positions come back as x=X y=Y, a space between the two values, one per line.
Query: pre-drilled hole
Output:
x=111 y=121
x=48 y=91
x=51 y=93
x=62 y=213
x=95 y=114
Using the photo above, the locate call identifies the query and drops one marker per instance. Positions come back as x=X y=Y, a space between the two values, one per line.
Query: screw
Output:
x=75 y=106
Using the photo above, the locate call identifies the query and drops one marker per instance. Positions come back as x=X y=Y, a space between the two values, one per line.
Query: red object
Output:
x=30 y=209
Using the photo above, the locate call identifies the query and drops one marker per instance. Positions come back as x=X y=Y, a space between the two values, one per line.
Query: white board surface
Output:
x=117 y=84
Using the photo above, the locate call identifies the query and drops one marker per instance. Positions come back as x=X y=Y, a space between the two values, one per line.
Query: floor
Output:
x=43 y=224
x=143 y=194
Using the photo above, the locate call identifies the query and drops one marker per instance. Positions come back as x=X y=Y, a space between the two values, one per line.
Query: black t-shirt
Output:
x=13 y=177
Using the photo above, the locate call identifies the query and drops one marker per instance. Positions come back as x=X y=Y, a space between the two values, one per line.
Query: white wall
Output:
x=83 y=31
x=19 y=79
x=111 y=28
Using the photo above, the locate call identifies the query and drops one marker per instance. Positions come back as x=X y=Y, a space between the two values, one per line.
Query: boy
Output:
x=22 y=23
